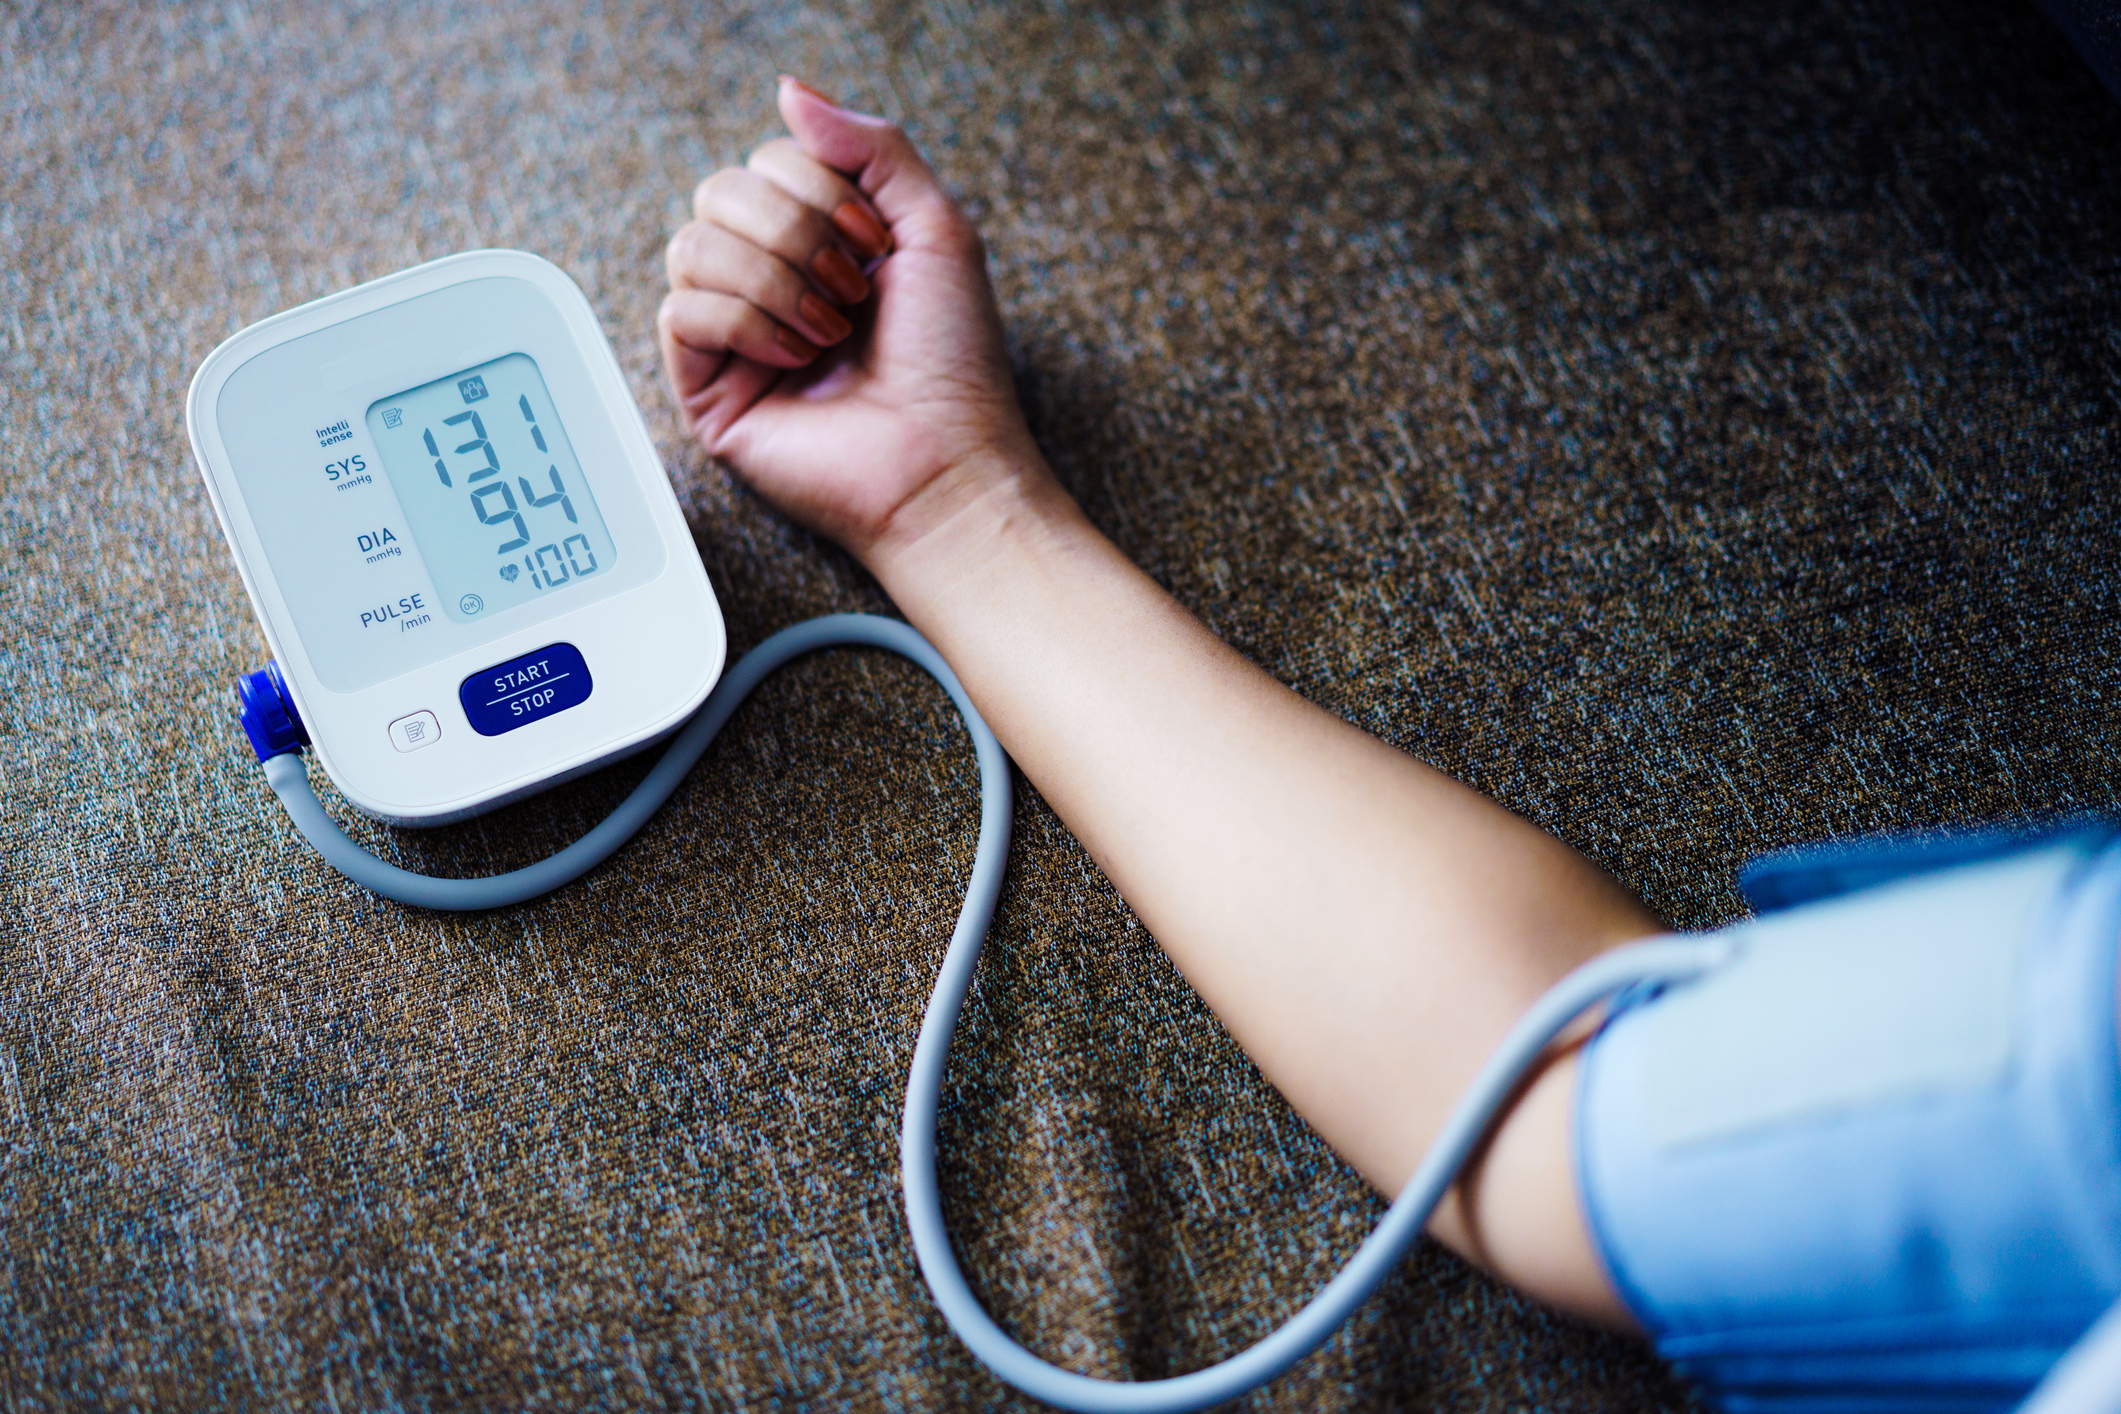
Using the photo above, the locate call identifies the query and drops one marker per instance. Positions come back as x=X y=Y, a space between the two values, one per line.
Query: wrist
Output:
x=985 y=506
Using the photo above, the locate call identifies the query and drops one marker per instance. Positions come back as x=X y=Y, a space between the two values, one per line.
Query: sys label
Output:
x=526 y=689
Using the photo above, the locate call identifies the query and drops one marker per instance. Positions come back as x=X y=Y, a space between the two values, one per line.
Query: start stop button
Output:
x=526 y=689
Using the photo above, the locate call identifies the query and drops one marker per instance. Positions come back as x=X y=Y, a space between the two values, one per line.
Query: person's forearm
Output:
x=1365 y=926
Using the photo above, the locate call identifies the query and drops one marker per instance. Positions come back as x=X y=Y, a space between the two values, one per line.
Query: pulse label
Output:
x=407 y=613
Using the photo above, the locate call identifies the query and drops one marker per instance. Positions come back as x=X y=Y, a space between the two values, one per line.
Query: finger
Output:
x=784 y=163
x=704 y=256
x=714 y=389
x=884 y=163
x=746 y=204
x=711 y=323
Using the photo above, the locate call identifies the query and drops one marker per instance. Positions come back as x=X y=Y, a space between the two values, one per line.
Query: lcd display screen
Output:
x=492 y=491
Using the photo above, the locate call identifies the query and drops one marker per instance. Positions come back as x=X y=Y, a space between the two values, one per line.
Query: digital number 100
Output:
x=553 y=565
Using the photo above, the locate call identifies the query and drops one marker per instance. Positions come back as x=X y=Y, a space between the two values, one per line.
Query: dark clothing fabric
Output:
x=2094 y=26
x=1692 y=424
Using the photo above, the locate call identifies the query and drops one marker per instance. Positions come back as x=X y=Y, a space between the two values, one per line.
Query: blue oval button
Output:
x=524 y=690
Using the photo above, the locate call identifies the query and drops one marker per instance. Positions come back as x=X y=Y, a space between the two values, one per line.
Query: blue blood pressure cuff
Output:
x=1874 y=1162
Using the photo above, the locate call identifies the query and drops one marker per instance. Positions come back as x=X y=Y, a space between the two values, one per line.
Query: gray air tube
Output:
x=1662 y=959
x=291 y=783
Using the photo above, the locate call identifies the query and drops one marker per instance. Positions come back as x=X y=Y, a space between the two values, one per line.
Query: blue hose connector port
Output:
x=268 y=713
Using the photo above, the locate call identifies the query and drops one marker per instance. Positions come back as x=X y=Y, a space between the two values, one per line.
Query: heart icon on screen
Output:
x=509 y=573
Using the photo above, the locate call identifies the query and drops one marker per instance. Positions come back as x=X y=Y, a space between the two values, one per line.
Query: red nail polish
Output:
x=861 y=230
x=794 y=343
x=791 y=79
x=841 y=277
x=823 y=318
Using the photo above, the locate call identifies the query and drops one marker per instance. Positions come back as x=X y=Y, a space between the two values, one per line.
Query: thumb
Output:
x=880 y=159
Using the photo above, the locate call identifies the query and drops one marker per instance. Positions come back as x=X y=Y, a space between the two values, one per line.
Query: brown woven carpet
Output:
x=1693 y=424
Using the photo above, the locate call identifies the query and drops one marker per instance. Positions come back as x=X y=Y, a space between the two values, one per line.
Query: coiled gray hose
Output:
x=291 y=783
x=1661 y=959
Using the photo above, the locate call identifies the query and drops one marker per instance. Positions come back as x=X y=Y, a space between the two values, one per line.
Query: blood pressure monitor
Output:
x=457 y=534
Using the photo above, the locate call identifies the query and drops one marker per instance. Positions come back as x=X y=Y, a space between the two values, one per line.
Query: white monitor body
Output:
x=457 y=535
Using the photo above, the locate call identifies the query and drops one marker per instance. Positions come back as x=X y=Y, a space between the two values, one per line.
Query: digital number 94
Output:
x=508 y=512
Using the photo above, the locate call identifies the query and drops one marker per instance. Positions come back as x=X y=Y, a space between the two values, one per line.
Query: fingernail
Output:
x=863 y=231
x=841 y=277
x=823 y=318
x=793 y=342
x=791 y=79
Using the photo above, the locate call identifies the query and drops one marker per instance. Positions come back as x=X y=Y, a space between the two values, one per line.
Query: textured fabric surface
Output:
x=1693 y=424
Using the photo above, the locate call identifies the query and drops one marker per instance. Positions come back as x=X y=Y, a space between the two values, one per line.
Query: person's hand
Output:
x=843 y=398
